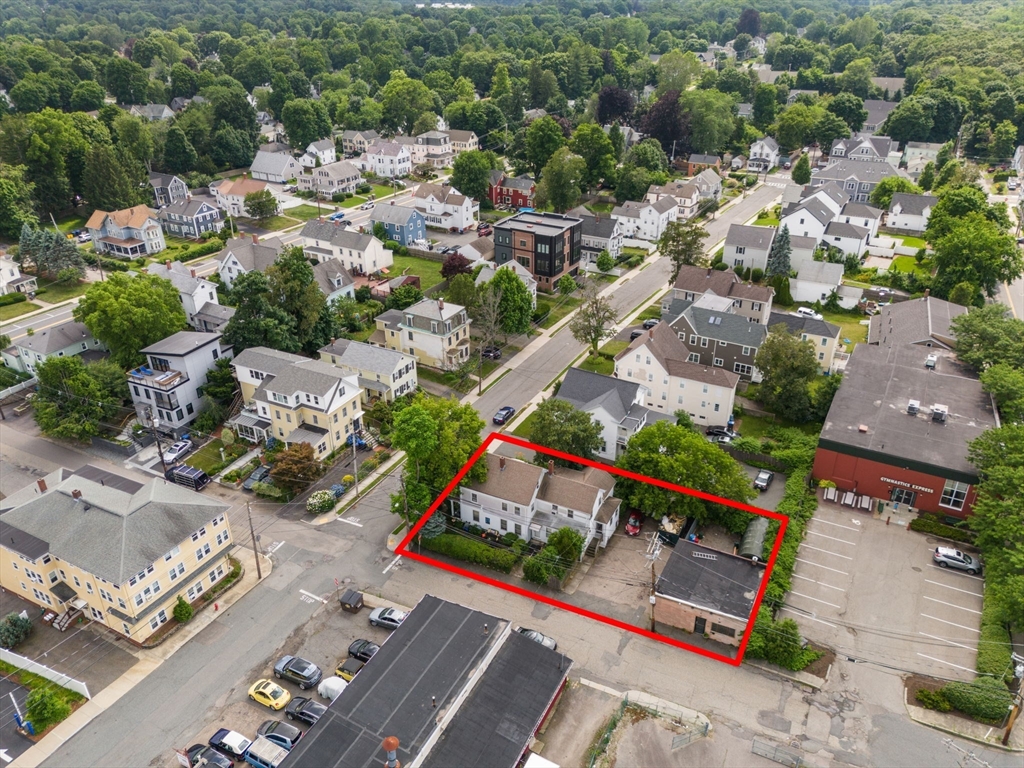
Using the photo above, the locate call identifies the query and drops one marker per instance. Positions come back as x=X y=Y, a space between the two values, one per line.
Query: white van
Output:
x=808 y=312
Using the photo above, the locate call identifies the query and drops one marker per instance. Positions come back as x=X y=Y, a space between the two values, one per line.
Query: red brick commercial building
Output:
x=899 y=429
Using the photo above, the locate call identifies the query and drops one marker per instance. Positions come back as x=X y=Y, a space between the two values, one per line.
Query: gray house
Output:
x=167 y=188
x=857 y=178
x=64 y=340
x=716 y=336
x=190 y=218
x=747 y=247
x=383 y=373
x=277 y=167
x=403 y=225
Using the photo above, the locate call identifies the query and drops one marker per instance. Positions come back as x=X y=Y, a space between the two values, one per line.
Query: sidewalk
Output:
x=988 y=735
x=149 y=660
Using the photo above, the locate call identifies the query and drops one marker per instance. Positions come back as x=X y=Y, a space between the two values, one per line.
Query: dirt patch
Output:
x=820 y=667
x=582 y=712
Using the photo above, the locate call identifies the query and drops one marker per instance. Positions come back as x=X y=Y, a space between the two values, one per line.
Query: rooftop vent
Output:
x=914 y=406
x=862 y=428
x=930 y=361
x=939 y=412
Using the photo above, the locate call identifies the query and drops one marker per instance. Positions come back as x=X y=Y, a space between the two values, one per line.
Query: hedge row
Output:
x=13 y=298
x=926 y=523
x=467 y=550
x=994 y=647
x=212 y=246
x=986 y=699
x=798 y=504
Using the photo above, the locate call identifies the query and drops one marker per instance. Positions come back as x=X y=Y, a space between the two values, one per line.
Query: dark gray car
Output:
x=279 y=732
x=261 y=475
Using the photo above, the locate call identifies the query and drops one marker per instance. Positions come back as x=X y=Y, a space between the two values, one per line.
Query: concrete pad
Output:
x=582 y=714
x=819 y=724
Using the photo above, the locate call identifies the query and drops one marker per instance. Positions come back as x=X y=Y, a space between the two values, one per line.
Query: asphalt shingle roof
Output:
x=265 y=360
x=913 y=205
x=750 y=237
x=797 y=324
x=517 y=483
x=54 y=339
x=365 y=357
x=336 y=235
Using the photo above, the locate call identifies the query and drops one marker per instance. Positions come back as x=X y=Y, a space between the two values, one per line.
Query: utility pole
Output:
x=255 y=550
x=153 y=424
x=653 y=551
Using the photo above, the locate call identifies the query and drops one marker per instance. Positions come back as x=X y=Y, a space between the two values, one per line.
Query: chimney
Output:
x=167 y=263
x=392 y=202
x=390 y=747
x=440 y=303
x=551 y=466
x=501 y=463
x=193 y=272
x=76 y=494
x=255 y=239
x=337 y=223
x=650 y=333
x=927 y=292
x=42 y=485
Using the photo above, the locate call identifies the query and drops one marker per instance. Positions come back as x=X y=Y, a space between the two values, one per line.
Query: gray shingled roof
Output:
x=820 y=272
x=322 y=144
x=336 y=235
x=265 y=360
x=274 y=163
x=188 y=207
x=670 y=351
x=588 y=391
x=859 y=170
x=831 y=189
x=750 y=237
x=179 y=275
x=431 y=309
x=727 y=327
x=797 y=324
x=593 y=225
x=252 y=256
x=392 y=214
x=918 y=321
x=365 y=357
x=842 y=229
x=814 y=208
x=113 y=533
x=912 y=205
x=54 y=339
x=326 y=273
x=516 y=483
x=313 y=376
x=181 y=343
x=861 y=211
x=664 y=205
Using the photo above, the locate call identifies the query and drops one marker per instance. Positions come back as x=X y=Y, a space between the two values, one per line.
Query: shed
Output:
x=752 y=545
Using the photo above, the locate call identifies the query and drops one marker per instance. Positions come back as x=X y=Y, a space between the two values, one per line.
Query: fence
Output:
x=691 y=734
x=755 y=459
x=21 y=662
x=16 y=388
x=778 y=754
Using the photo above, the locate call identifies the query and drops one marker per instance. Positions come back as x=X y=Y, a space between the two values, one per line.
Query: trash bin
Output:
x=351 y=601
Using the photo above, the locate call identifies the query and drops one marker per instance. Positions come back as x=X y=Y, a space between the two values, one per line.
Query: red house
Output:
x=697 y=163
x=515 y=191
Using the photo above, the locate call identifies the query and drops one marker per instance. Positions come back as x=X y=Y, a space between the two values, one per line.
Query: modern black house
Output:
x=547 y=244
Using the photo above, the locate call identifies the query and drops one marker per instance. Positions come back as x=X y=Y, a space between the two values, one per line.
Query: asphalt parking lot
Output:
x=12 y=743
x=871 y=591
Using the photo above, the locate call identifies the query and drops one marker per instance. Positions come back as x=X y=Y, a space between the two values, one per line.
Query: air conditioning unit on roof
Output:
x=913 y=406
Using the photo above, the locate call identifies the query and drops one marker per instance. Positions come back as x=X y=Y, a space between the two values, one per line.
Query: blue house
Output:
x=403 y=225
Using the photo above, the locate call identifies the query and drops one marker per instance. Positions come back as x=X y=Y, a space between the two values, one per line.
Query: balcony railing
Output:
x=165 y=380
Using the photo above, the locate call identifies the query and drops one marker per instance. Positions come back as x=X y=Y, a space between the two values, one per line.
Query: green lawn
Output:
x=17 y=310
x=428 y=271
x=909 y=264
x=614 y=347
x=653 y=312
x=767 y=221
x=757 y=426
x=274 y=223
x=914 y=242
x=305 y=212
x=851 y=327
x=380 y=190
x=628 y=251
x=600 y=207
x=523 y=427
x=71 y=221
x=352 y=202
x=56 y=293
x=598 y=364
x=207 y=457
x=559 y=310
x=364 y=334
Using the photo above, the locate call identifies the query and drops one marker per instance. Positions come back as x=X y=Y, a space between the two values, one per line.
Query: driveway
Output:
x=767 y=499
x=871 y=591
x=12 y=743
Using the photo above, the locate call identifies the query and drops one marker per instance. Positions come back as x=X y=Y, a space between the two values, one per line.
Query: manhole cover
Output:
x=915 y=568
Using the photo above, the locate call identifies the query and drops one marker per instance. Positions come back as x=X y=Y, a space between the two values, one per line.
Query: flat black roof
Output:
x=109 y=479
x=493 y=727
x=706 y=578
x=433 y=653
x=869 y=411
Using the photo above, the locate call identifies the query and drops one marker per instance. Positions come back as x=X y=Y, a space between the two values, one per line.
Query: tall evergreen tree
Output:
x=106 y=185
x=179 y=154
x=778 y=258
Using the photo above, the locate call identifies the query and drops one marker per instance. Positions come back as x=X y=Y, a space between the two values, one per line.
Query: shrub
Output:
x=13 y=298
x=348 y=479
x=779 y=642
x=542 y=566
x=338 y=490
x=930 y=524
x=269 y=491
x=182 y=611
x=45 y=706
x=994 y=647
x=320 y=502
x=14 y=630
x=933 y=700
x=984 y=699
x=756 y=274
x=244 y=471
x=470 y=551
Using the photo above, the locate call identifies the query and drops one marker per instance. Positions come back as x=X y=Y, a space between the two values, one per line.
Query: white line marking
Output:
x=826 y=551
x=819 y=583
x=805 y=616
x=944 y=640
x=947 y=663
x=819 y=565
x=951 y=605
x=350 y=522
x=958 y=573
x=959 y=626
x=837 y=525
x=392 y=564
x=833 y=538
x=313 y=597
x=965 y=591
x=277 y=546
x=814 y=599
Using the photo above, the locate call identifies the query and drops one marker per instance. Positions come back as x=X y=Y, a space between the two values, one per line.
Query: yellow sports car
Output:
x=269 y=694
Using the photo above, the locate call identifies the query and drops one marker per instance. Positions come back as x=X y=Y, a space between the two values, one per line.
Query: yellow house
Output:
x=435 y=333
x=95 y=544
x=302 y=400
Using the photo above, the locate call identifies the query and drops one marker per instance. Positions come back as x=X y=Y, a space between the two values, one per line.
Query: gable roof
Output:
x=188 y=207
x=252 y=255
x=265 y=360
x=274 y=163
x=878 y=110
x=707 y=176
x=859 y=170
x=861 y=210
x=522 y=183
x=842 y=229
x=697 y=159
x=820 y=272
x=684 y=188
x=723 y=326
x=181 y=277
x=769 y=142
x=831 y=189
x=116 y=528
x=239 y=187
x=919 y=321
x=671 y=353
x=797 y=324
x=163 y=179
x=594 y=225
x=812 y=207
x=321 y=145
x=516 y=483
x=750 y=236
x=387 y=148
x=134 y=217
x=664 y=205
x=589 y=391
x=331 y=276
x=54 y=339
x=393 y=214
x=304 y=375
x=447 y=195
x=912 y=205
x=336 y=235
x=630 y=209
x=490 y=269
x=722 y=283
x=360 y=356
x=461 y=136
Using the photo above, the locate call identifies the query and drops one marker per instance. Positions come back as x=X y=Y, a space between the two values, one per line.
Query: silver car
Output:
x=389 y=618
x=947 y=557
x=177 y=450
x=537 y=637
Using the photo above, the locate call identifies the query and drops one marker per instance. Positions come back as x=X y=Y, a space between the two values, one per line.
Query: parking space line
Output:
x=837 y=525
x=815 y=599
x=951 y=605
x=844 y=541
x=805 y=616
x=958 y=573
x=944 y=640
x=947 y=586
x=819 y=565
x=960 y=626
x=826 y=551
x=947 y=663
x=819 y=583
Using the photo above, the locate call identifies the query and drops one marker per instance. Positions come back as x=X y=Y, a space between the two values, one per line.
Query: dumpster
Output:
x=351 y=601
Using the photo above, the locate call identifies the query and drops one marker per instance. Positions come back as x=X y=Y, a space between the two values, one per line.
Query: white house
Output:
x=445 y=207
x=276 y=167
x=685 y=193
x=386 y=159
x=614 y=403
x=533 y=502
x=600 y=233
x=830 y=195
x=169 y=385
x=360 y=254
x=230 y=195
x=195 y=292
x=645 y=221
x=129 y=233
x=245 y=254
x=801 y=250
x=923 y=150
x=815 y=281
x=489 y=270
x=463 y=141
x=910 y=213
x=658 y=361
x=863 y=216
x=808 y=218
x=65 y=340
x=875 y=149
x=334 y=280
x=322 y=150
x=848 y=238
x=764 y=154
x=1018 y=161
x=328 y=179
x=747 y=247
x=383 y=373
x=857 y=178
x=11 y=279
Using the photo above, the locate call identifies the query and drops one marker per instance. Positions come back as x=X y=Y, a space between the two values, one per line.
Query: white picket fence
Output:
x=19 y=661
x=13 y=390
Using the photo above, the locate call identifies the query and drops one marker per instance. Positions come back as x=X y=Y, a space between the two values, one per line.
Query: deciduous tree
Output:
x=543 y=138
x=471 y=172
x=305 y=121
x=881 y=195
x=515 y=307
x=977 y=251
x=560 y=183
x=788 y=366
x=260 y=205
x=592 y=323
x=415 y=432
x=683 y=243
x=595 y=148
x=15 y=201
x=70 y=403
x=711 y=119
x=258 y=321
x=296 y=468
x=106 y=185
x=560 y=425
x=455 y=264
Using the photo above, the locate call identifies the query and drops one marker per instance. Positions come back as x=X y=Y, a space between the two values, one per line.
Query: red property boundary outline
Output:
x=403 y=550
